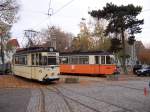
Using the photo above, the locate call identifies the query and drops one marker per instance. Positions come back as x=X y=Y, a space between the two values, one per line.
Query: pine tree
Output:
x=120 y=19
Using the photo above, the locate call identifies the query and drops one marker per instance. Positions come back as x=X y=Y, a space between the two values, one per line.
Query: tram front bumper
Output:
x=50 y=79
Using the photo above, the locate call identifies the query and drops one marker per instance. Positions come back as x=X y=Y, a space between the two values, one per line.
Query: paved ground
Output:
x=14 y=99
x=91 y=94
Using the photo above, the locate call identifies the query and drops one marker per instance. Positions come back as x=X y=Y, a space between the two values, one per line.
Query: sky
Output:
x=33 y=14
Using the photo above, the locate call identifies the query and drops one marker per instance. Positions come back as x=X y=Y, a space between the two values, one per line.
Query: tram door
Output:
x=33 y=66
x=97 y=66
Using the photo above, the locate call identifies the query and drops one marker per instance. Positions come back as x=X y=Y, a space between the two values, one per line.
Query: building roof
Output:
x=13 y=42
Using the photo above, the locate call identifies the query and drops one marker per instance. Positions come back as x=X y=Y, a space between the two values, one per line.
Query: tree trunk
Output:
x=123 y=53
x=2 y=55
x=2 y=51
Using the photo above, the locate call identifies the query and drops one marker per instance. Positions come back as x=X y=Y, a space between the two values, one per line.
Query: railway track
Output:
x=42 y=101
x=65 y=97
x=99 y=100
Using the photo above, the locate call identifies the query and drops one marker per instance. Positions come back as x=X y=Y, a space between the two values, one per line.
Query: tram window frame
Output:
x=103 y=60
x=97 y=59
x=44 y=60
x=83 y=59
x=32 y=59
x=21 y=60
x=37 y=58
x=108 y=60
x=16 y=59
x=53 y=62
x=74 y=60
x=40 y=59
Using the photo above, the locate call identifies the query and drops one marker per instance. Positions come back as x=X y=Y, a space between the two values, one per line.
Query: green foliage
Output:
x=91 y=40
x=131 y=40
x=115 y=45
x=120 y=19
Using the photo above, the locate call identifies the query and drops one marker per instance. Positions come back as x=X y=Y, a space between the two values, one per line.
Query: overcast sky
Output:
x=33 y=15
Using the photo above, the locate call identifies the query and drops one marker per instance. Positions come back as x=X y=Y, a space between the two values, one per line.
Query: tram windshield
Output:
x=51 y=60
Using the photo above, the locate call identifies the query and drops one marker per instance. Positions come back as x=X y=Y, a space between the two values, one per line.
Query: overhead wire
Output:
x=51 y=14
x=58 y=10
x=65 y=5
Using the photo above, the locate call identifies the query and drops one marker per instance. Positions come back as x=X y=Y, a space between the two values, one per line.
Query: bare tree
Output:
x=8 y=11
x=31 y=37
x=56 y=38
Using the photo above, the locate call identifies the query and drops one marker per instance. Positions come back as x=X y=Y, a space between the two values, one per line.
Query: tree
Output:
x=101 y=41
x=8 y=11
x=32 y=38
x=50 y=37
x=58 y=39
x=84 y=41
x=144 y=56
x=120 y=19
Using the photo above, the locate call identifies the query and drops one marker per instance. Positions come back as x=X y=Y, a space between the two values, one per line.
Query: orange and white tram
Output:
x=93 y=63
x=38 y=63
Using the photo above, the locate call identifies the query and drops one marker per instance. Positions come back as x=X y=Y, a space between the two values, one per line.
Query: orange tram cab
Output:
x=93 y=63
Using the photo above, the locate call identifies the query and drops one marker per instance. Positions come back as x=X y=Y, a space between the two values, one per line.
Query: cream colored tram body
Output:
x=38 y=63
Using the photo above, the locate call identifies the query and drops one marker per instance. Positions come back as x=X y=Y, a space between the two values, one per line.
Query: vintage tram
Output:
x=93 y=63
x=38 y=63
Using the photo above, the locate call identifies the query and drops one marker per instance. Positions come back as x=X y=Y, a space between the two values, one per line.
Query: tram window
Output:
x=96 y=59
x=102 y=59
x=44 y=60
x=16 y=60
x=74 y=60
x=64 y=60
x=108 y=60
x=21 y=60
x=40 y=59
x=83 y=60
x=37 y=59
x=32 y=59
x=52 y=60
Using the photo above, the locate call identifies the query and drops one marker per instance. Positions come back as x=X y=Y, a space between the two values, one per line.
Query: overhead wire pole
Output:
x=52 y=33
x=51 y=12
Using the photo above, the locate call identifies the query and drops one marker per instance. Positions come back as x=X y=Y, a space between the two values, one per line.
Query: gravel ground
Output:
x=91 y=94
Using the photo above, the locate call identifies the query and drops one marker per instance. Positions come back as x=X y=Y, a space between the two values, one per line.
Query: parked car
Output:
x=143 y=71
x=136 y=67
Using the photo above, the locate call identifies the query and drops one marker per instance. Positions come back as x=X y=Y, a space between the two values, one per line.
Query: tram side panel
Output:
x=93 y=66
x=88 y=69
x=107 y=69
x=23 y=70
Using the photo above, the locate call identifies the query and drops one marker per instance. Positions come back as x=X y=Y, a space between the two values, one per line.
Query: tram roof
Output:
x=35 y=49
x=86 y=53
